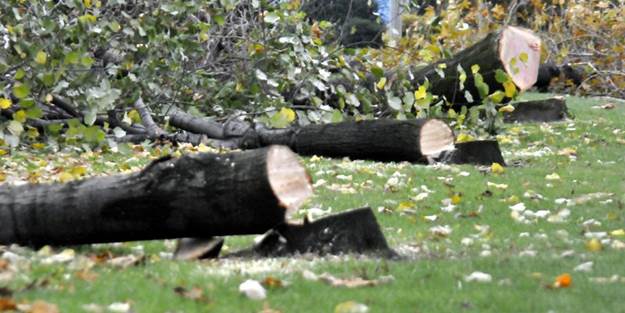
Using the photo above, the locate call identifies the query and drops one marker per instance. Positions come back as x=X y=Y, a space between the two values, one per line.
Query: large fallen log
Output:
x=198 y=195
x=514 y=50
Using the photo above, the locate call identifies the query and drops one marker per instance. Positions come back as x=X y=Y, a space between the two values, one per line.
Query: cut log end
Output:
x=288 y=178
x=435 y=137
x=515 y=42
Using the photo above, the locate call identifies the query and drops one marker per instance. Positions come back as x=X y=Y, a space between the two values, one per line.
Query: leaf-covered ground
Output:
x=546 y=234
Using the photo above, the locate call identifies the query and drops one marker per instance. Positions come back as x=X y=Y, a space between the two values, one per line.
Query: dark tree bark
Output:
x=198 y=195
x=355 y=231
x=198 y=125
x=545 y=110
x=380 y=140
x=480 y=152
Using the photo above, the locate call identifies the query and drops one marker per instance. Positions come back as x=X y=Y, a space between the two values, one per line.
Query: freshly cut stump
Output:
x=379 y=140
x=354 y=231
x=479 y=152
x=544 y=110
x=199 y=195
x=514 y=50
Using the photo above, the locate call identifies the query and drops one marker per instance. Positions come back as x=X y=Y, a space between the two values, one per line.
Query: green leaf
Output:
x=35 y=112
x=21 y=91
x=86 y=61
x=90 y=117
x=394 y=103
x=497 y=96
x=93 y=134
x=337 y=116
x=20 y=116
x=72 y=57
x=378 y=72
x=55 y=128
x=219 y=20
x=41 y=57
x=501 y=76
x=19 y=74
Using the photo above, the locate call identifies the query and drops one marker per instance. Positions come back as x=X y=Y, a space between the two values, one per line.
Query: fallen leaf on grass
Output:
x=119 y=307
x=65 y=256
x=591 y=196
x=496 y=168
x=552 y=176
x=606 y=106
x=195 y=293
x=351 y=307
x=594 y=245
x=563 y=281
x=253 y=290
x=584 y=267
x=127 y=260
x=7 y=304
x=354 y=282
x=38 y=306
x=479 y=277
x=272 y=282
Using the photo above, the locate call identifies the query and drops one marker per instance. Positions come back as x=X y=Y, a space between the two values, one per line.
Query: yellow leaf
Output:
x=87 y=3
x=464 y=137
x=288 y=114
x=134 y=116
x=456 y=199
x=496 y=168
x=617 y=233
x=78 y=171
x=506 y=109
x=475 y=68
x=552 y=176
x=509 y=88
x=20 y=116
x=3 y=152
x=594 y=245
x=405 y=205
x=3 y=176
x=65 y=177
x=5 y=103
x=41 y=57
x=350 y=307
x=380 y=85
x=421 y=93
x=38 y=145
x=513 y=199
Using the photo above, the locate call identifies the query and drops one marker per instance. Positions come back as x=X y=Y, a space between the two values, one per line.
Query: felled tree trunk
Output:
x=194 y=196
x=380 y=140
x=544 y=110
x=499 y=50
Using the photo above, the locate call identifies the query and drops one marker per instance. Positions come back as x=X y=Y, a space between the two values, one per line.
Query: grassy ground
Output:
x=569 y=176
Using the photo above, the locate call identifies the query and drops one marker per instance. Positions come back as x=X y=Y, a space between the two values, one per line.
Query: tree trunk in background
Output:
x=379 y=140
x=491 y=53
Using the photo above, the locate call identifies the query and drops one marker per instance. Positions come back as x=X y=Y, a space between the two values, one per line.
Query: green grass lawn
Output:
x=570 y=176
